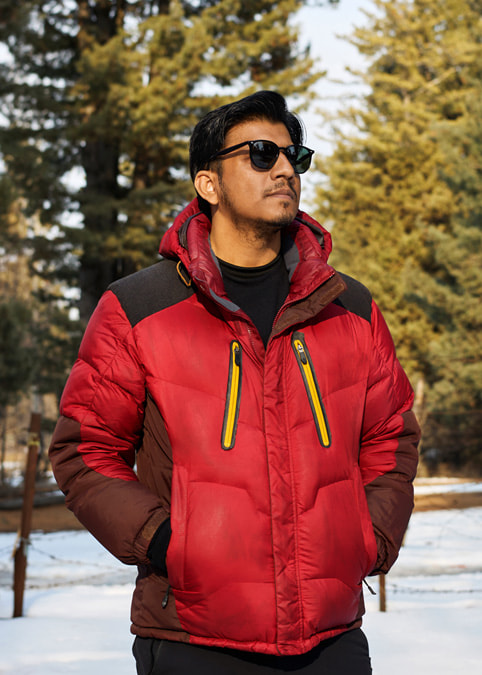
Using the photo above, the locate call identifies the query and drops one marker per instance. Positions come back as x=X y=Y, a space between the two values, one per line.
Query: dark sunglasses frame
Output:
x=292 y=153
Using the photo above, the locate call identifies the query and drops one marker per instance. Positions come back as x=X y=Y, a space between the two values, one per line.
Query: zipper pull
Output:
x=237 y=355
x=369 y=587
x=165 y=599
x=301 y=352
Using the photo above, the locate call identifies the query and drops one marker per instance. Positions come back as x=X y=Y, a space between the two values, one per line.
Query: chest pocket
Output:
x=233 y=397
x=312 y=389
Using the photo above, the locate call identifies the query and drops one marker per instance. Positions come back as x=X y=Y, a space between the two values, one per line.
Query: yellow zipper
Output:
x=233 y=397
x=312 y=389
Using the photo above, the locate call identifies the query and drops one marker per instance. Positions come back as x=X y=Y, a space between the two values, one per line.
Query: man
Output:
x=259 y=393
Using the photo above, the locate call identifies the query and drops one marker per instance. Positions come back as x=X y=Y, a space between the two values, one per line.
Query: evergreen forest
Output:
x=97 y=102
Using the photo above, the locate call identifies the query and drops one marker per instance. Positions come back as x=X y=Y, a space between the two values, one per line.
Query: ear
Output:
x=206 y=185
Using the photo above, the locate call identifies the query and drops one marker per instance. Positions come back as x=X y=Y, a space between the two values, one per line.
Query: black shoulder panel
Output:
x=356 y=299
x=150 y=290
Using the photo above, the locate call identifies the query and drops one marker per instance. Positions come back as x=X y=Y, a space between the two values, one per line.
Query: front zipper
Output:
x=233 y=397
x=312 y=389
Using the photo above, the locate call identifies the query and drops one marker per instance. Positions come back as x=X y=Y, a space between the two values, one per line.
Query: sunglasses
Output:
x=264 y=154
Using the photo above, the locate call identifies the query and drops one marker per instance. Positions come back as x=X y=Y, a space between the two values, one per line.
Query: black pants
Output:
x=346 y=654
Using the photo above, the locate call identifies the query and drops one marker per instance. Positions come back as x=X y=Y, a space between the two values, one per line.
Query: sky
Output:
x=325 y=28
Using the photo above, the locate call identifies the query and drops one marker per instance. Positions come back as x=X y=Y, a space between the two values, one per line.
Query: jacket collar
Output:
x=306 y=247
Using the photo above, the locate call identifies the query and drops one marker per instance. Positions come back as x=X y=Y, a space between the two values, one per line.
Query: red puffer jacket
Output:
x=286 y=472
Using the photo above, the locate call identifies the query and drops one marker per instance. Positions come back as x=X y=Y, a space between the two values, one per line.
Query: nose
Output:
x=283 y=166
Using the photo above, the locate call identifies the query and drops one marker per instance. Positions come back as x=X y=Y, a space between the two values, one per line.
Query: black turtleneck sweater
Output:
x=259 y=291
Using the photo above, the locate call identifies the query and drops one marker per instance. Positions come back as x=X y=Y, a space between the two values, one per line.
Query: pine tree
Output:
x=38 y=337
x=15 y=311
x=115 y=88
x=403 y=214
x=453 y=286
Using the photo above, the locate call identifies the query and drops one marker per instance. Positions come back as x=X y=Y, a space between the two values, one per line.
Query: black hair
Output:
x=210 y=132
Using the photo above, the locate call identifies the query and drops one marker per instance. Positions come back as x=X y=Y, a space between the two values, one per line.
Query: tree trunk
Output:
x=3 y=432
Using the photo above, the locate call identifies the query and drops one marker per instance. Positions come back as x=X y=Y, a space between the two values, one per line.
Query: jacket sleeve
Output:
x=388 y=451
x=99 y=428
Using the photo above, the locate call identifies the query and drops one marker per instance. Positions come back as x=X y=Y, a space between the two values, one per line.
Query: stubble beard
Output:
x=255 y=228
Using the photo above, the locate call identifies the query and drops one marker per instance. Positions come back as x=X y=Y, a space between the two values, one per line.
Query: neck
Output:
x=244 y=248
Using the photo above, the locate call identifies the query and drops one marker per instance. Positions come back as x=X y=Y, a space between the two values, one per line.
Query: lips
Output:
x=282 y=192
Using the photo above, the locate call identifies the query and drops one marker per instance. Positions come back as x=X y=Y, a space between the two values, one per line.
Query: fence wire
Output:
x=105 y=573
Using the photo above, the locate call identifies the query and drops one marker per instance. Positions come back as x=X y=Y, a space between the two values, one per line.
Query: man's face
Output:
x=250 y=198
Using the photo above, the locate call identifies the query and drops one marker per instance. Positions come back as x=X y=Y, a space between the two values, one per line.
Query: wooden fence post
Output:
x=383 y=595
x=20 y=554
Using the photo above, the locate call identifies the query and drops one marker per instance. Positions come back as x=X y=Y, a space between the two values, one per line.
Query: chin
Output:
x=285 y=219
x=283 y=216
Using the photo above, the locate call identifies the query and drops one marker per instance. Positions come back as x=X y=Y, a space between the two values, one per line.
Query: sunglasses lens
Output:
x=300 y=157
x=263 y=154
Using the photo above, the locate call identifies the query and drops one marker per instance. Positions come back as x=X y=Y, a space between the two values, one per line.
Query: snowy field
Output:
x=77 y=603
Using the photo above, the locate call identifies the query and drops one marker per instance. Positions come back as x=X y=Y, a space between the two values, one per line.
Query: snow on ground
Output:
x=430 y=486
x=434 y=599
x=76 y=607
